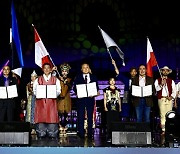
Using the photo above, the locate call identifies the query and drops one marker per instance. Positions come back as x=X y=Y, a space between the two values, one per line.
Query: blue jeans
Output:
x=143 y=111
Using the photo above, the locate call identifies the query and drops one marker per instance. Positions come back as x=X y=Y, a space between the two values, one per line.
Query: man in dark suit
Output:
x=7 y=106
x=86 y=102
x=143 y=104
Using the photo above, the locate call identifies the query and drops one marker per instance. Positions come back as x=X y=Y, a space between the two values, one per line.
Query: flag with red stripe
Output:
x=41 y=54
x=151 y=59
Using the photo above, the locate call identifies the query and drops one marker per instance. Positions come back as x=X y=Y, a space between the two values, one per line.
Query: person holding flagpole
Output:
x=46 y=113
x=166 y=92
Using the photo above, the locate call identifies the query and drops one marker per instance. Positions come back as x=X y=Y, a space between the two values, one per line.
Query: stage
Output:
x=73 y=144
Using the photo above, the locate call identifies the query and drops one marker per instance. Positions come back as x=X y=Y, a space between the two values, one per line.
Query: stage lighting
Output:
x=170 y=114
x=172 y=127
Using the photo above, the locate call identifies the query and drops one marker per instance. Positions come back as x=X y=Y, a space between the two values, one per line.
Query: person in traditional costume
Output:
x=46 y=113
x=166 y=92
x=64 y=99
x=31 y=98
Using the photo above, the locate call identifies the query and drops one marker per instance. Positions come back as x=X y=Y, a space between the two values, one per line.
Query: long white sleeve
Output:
x=178 y=90
x=58 y=89
x=157 y=86
x=35 y=86
x=165 y=91
x=173 y=89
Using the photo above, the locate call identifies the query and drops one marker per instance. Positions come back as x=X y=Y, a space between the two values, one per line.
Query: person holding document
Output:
x=86 y=88
x=46 y=88
x=142 y=88
x=7 y=104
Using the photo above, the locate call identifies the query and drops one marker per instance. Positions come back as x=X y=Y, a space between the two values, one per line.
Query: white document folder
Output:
x=142 y=91
x=8 y=92
x=3 y=92
x=46 y=91
x=86 y=90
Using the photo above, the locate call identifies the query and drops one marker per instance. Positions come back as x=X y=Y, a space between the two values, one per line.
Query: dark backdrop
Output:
x=69 y=30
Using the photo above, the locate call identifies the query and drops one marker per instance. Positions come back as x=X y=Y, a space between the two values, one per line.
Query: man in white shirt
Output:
x=177 y=99
x=46 y=113
x=166 y=92
x=87 y=103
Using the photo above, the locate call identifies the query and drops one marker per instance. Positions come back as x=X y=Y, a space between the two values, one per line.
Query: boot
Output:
x=61 y=130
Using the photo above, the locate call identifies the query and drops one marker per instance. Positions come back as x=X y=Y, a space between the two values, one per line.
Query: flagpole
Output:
x=50 y=57
x=11 y=46
x=110 y=43
x=159 y=71
x=54 y=65
x=109 y=53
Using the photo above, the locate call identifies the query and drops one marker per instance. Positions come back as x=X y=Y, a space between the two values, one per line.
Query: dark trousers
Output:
x=82 y=104
x=47 y=129
x=178 y=106
x=7 y=107
x=111 y=116
x=63 y=119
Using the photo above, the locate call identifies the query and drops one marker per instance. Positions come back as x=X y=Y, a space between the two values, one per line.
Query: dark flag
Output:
x=17 y=57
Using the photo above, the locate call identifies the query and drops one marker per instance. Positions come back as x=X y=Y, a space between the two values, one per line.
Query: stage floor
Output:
x=73 y=140
x=73 y=144
x=70 y=140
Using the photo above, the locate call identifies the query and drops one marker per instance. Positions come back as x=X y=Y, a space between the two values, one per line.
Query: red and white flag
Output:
x=151 y=59
x=41 y=54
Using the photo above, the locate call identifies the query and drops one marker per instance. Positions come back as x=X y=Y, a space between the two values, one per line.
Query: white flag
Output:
x=110 y=43
x=17 y=71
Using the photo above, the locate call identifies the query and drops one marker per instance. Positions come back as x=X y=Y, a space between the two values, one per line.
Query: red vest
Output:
x=46 y=109
x=169 y=85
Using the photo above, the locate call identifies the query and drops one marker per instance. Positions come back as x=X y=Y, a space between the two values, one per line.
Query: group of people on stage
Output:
x=48 y=114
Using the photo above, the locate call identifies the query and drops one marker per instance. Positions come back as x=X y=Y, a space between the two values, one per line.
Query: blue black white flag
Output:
x=17 y=57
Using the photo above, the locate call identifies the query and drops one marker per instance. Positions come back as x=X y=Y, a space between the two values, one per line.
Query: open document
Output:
x=86 y=90
x=142 y=91
x=8 y=92
x=46 y=91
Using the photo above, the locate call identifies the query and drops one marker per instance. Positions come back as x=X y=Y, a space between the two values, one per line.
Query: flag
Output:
x=17 y=57
x=110 y=43
x=41 y=54
x=151 y=59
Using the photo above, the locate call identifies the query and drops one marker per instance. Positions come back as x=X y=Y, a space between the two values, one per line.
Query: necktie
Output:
x=6 y=83
x=85 y=79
